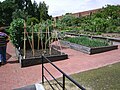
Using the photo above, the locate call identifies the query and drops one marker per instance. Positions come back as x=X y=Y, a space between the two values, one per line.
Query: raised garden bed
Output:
x=97 y=37
x=30 y=60
x=89 y=50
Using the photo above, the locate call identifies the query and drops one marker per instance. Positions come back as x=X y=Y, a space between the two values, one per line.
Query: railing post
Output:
x=42 y=69
x=63 y=82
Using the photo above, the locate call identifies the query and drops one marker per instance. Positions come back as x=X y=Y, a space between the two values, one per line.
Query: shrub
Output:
x=16 y=31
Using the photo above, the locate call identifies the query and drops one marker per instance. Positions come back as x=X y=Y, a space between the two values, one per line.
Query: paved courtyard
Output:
x=13 y=76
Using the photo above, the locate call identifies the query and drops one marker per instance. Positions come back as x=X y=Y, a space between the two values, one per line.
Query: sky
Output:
x=61 y=7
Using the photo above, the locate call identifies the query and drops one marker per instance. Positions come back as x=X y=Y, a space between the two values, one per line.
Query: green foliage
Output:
x=25 y=5
x=88 y=42
x=68 y=20
x=46 y=24
x=6 y=9
x=33 y=19
x=43 y=11
x=35 y=10
x=106 y=20
x=13 y=9
x=18 y=13
x=16 y=31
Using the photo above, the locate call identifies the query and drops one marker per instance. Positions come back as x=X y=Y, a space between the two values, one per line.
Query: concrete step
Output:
x=36 y=86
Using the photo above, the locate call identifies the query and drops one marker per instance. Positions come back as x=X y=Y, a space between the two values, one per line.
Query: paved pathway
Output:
x=13 y=76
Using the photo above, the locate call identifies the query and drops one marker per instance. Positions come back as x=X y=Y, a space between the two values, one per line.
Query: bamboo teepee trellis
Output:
x=48 y=39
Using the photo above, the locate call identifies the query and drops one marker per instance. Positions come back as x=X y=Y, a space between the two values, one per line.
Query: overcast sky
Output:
x=60 y=7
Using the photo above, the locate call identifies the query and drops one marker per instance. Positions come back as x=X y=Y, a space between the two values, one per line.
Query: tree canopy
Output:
x=12 y=9
x=105 y=20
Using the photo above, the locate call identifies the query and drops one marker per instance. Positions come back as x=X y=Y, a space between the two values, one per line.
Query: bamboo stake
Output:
x=57 y=38
x=49 y=39
x=38 y=39
x=28 y=38
x=51 y=45
x=32 y=40
x=24 y=40
x=41 y=40
x=46 y=40
x=58 y=42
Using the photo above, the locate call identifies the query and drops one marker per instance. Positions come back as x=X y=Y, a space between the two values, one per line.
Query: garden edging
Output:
x=25 y=62
x=89 y=50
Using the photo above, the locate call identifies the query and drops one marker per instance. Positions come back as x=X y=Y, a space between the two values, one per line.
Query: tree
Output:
x=1 y=20
x=106 y=20
x=12 y=9
x=25 y=5
x=43 y=9
x=18 y=13
x=68 y=19
x=6 y=9
x=36 y=10
x=20 y=4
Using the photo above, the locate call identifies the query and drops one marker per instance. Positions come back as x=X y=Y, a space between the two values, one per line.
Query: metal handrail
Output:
x=64 y=75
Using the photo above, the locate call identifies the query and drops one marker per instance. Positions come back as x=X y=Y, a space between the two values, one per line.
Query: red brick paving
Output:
x=13 y=76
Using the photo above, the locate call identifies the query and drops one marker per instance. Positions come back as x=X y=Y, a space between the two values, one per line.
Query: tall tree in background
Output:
x=25 y=5
x=6 y=9
x=18 y=13
x=29 y=7
x=12 y=9
x=35 y=11
x=20 y=4
x=1 y=20
x=43 y=9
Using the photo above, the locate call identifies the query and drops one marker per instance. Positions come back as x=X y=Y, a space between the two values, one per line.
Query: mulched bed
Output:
x=31 y=60
x=39 y=53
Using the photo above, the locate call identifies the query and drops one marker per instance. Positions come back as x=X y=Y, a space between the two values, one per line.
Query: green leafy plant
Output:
x=88 y=41
x=16 y=31
x=32 y=20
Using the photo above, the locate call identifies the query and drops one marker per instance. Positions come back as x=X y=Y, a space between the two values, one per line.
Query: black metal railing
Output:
x=64 y=76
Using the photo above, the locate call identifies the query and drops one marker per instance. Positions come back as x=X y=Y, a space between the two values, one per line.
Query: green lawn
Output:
x=105 y=78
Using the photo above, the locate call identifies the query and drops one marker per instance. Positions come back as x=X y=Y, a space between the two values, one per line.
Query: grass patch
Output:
x=86 y=41
x=105 y=78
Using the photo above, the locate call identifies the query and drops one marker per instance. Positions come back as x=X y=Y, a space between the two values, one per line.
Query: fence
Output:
x=64 y=76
